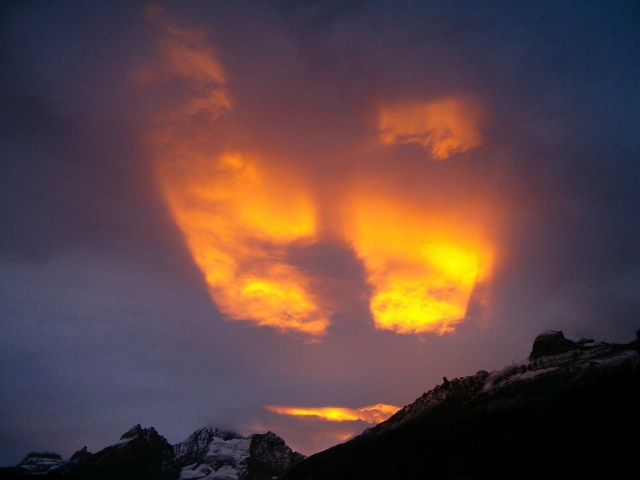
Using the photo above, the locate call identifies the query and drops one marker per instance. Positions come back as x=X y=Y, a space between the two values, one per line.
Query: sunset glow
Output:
x=444 y=127
x=371 y=414
x=241 y=211
x=422 y=269
x=237 y=211
x=237 y=221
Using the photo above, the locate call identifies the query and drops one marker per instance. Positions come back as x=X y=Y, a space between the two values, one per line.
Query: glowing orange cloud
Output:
x=238 y=219
x=240 y=211
x=371 y=414
x=237 y=211
x=445 y=127
x=422 y=269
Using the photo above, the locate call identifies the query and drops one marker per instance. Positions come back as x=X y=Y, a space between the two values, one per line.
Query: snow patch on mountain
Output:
x=41 y=462
x=213 y=455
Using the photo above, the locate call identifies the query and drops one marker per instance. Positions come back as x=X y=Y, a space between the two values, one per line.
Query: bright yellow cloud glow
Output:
x=238 y=211
x=238 y=220
x=422 y=269
x=445 y=127
x=371 y=414
x=241 y=210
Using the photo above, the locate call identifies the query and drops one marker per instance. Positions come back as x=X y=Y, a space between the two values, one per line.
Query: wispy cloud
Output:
x=444 y=127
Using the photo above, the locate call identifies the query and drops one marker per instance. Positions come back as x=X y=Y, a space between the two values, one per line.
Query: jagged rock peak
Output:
x=269 y=437
x=551 y=342
x=270 y=456
x=216 y=432
x=81 y=455
x=197 y=445
x=138 y=431
x=132 y=432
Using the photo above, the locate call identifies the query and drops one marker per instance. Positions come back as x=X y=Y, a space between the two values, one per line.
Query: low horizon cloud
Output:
x=371 y=414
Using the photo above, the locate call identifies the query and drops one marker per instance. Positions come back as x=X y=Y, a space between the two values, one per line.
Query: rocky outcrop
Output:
x=81 y=456
x=270 y=457
x=551 y=342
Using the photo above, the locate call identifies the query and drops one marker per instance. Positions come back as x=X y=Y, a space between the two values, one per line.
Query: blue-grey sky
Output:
x=507 y=128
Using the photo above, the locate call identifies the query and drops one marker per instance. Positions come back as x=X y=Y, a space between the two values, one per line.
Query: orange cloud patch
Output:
x=238 y=220
x=241 y=211
x=371 y=414
x=422 y=269
x=445 y=127
x=237 y=211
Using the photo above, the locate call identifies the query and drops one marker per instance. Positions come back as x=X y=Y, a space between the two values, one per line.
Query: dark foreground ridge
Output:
x=571 y=411
x=143 y=454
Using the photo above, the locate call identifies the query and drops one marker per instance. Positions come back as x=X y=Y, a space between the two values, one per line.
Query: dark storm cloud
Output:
x=106 y=320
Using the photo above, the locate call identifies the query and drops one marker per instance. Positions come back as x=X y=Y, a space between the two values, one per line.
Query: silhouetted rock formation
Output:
x=571 y=411
x=81 y=456
x=551 y=342
x=141 y=454
x=270 y=457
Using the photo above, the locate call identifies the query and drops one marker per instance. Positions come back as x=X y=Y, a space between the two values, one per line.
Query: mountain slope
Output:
x=571 y=411
x=143 y=454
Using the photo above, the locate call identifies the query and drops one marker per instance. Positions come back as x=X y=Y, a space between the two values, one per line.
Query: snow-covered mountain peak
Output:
x=213 y=454
x=41 y=462
x=221 y=454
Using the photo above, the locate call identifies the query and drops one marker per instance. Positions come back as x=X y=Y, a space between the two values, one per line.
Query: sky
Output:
x=300 y=216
